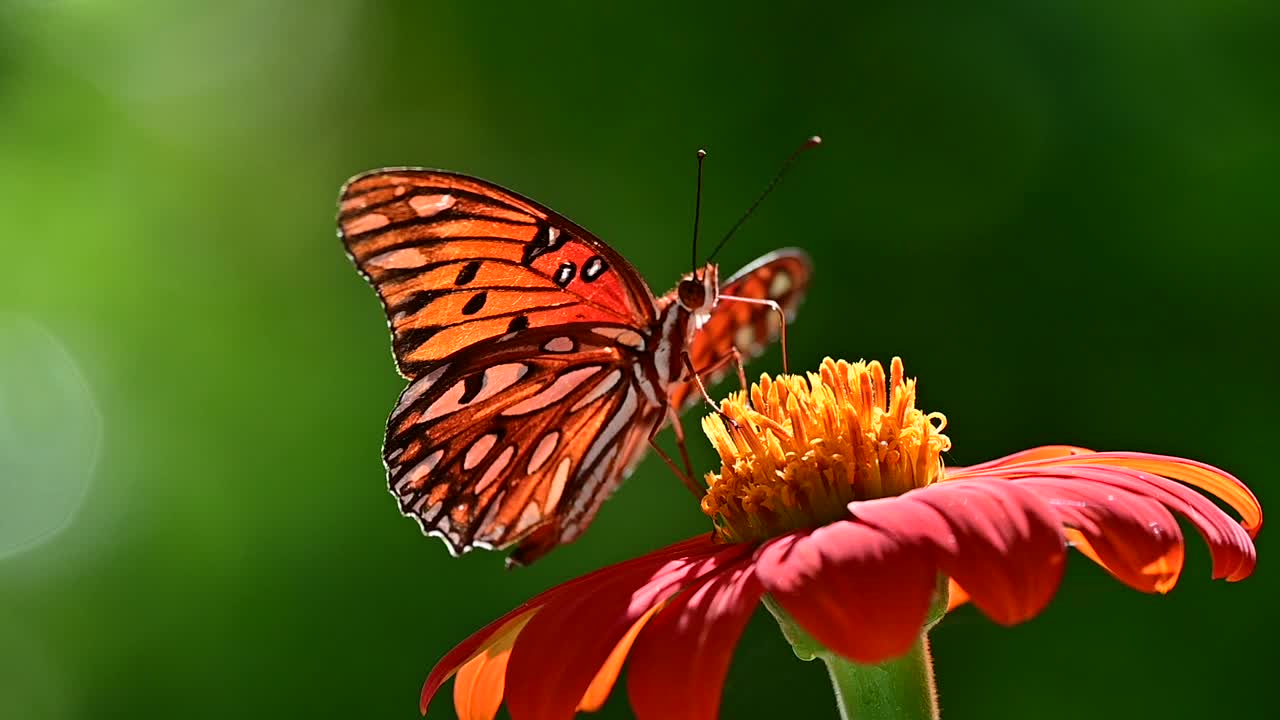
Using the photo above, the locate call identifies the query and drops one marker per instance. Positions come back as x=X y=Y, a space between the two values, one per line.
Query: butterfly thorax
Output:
x=681 y=313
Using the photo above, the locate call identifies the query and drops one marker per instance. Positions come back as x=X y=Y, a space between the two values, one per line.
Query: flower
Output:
x=832 y=497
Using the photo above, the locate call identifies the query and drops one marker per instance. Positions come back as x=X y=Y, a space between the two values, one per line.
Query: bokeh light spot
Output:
x=50 y=434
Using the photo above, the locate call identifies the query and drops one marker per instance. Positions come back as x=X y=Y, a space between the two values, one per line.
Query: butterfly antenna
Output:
x=811 y=142
x=697 y=213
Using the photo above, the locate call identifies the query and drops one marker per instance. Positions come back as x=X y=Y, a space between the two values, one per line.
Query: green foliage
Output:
x=1062 y=216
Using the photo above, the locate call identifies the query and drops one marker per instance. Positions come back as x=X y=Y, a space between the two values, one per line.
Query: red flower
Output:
x=833 y=500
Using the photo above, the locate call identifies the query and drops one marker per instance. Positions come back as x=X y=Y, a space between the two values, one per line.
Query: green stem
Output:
x=899 y=689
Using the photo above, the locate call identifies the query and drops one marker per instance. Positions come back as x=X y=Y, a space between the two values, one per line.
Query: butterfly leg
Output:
x=734 y=357
x=686 y=476
x=742 y=371
x=782 y=321
x=697 y=381
x=677 y=427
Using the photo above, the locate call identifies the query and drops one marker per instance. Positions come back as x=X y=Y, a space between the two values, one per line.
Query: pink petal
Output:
x=999 y=541
x=1133 y=537
x=861 y=592
x=1161 y=478
x=679 y=664
x=563 y=647
x=1230 y=544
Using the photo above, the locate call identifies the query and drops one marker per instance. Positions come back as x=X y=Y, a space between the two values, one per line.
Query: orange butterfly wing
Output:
x=781 y=276
x=520 y=331
x=484 y=451
x=457 y=261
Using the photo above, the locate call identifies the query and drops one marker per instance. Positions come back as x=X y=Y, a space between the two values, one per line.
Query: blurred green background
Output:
x=1063 y=216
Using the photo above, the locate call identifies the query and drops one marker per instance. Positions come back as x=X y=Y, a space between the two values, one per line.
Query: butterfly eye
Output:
x=692 y=294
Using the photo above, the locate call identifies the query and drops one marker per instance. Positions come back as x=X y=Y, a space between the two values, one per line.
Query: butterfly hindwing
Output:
x=781 y=276
x=485 y=451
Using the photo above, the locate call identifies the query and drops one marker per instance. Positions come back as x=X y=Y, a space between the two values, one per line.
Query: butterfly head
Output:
x=698 y=294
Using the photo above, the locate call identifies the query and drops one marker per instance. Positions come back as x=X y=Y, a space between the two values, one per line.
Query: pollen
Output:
x=795 y=450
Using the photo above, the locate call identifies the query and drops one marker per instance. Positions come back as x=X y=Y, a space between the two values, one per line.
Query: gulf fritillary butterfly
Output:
x=540 y=363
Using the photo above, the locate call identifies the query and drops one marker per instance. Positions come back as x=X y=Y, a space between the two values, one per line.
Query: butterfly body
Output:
x=540 y=363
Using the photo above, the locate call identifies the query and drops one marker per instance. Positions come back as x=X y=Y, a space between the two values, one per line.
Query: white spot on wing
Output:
x=365 y=223
x=556 y=392
x=621 y=417
x=780 y=285
x=478 y=450
x=609 y=382
x=622 y=336
x=580 y=503
x=542 y=452
x=499 y=378
x=744 y=337
x=495 y=469
x=449 y=402
x=531 y=516
x=428 y=205
x=559 y=345
x=419 y=386
x=558 y=482
x=397 y=259
x=418 y=473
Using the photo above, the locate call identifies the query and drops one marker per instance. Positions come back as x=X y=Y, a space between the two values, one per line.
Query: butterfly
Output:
x=540 y=364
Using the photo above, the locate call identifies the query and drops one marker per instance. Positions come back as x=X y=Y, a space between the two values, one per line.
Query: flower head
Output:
x=833 y=500
x=802 y=449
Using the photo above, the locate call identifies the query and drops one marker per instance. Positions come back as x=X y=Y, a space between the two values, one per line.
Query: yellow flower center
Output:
x=804 y=448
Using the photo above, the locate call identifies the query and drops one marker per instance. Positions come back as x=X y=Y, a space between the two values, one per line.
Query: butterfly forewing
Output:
x=458 y=261
x=529 y=345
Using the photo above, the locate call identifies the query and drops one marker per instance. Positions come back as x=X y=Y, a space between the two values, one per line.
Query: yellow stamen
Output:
x=804 y=448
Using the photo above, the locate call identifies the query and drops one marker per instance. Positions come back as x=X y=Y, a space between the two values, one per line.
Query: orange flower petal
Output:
x=1045 y=452
x=956 y=595
x=604 y=680
x=478 y=685
x=578 y=632
x=1134 y=537
x=497 y=634
x=678 y=668
x=861 y=592
x=1218 y=482
x=491 y=634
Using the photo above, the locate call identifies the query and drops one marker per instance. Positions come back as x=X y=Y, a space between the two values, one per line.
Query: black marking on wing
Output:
x=564 y=274
x=476 y=302
x=594 y=268
x=546 y=240
x=467 y=273
x=471 y=387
